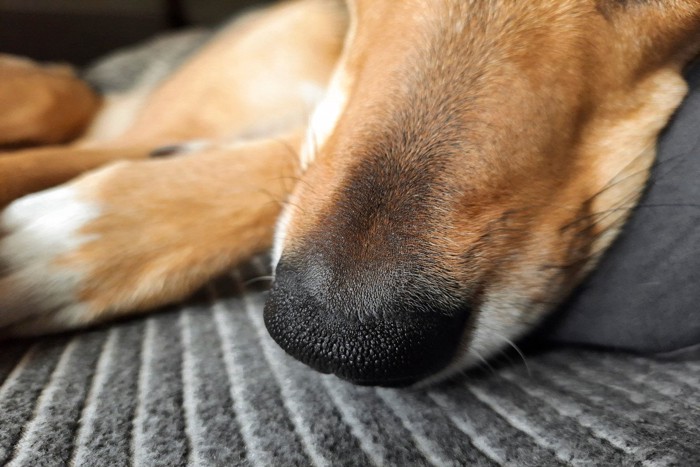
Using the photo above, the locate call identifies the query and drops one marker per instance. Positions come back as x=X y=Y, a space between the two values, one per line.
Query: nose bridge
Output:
x=359 y=283
x=364 y=261
x=345 y=283
x=388 y=201
x=363 y=294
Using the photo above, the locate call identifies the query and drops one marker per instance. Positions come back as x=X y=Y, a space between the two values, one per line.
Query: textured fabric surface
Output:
x=146 y=64
x=203 y=384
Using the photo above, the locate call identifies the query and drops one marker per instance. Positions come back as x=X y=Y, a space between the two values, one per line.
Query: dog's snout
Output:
x=370 y=330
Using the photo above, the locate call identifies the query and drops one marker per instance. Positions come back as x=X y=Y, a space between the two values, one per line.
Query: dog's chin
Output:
x=402 y=348
x=501 y=321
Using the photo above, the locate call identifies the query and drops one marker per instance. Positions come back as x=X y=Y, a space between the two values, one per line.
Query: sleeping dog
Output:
x=432 y=177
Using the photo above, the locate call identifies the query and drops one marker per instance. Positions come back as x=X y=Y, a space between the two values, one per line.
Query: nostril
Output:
x=360 y=341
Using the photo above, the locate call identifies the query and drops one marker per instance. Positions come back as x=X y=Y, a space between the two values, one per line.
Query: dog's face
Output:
x=470 y=164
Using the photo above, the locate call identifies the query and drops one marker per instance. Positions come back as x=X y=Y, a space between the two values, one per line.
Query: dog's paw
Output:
x=115 y=241
x=42 y=103
x=38 y=231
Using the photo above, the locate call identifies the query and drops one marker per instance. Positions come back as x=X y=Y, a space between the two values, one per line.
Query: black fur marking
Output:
x=166 y=151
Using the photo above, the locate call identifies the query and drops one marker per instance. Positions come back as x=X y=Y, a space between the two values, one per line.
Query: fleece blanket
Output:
x=203 y=384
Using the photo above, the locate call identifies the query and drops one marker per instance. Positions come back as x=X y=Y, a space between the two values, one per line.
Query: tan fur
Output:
x=49 y=104
x=233 y=83
x=230 y=83
x=533 y=194
x=501 y=144
x=237 y=180
x=149 y=246
x=33 y=170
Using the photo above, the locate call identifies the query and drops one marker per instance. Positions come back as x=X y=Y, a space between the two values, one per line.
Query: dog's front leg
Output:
x=31 y=170
x=139 y=234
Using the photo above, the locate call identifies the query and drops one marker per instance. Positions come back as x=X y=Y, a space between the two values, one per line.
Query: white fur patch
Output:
x=503 y=318
x=46 y=222
x=280 y=234
x=38 y=229
x=499 y=323
x=325 y=117
x=328 y=111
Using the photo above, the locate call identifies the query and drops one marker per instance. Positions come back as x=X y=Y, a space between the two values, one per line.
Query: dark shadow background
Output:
x=78 y=31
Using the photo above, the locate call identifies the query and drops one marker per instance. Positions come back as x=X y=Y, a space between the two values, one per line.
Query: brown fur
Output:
x=512 y=142
x=33 y=170
x=227 y=91
x=50 y=105
x=498 y=145
x=173 y=252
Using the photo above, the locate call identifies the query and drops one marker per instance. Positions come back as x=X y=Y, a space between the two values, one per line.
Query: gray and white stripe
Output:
x=203 y=384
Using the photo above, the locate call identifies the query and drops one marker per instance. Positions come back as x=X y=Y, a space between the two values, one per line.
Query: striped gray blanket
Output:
x=203 y=384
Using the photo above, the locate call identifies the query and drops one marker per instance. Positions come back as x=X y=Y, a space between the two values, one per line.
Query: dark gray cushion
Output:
x=645 y=294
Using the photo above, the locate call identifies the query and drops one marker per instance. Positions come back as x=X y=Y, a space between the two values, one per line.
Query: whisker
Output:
x=614 y=180
x=291 y=150
x=255 y=280
x=295 y=205
x=669 y=205
x=629 y=207
x=273 y=198
x=655 y=176
x=295 y=179
x=520 y=352
x=484 y=362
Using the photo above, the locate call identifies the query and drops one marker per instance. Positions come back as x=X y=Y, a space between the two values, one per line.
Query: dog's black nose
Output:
x=372 y=330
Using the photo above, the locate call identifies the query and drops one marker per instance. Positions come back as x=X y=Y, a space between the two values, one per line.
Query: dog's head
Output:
x=469 y=165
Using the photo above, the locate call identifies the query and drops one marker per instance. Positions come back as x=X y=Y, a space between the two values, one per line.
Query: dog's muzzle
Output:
x=370 y=329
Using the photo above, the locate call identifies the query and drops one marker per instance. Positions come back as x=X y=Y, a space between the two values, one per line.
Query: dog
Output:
x=431 y=177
